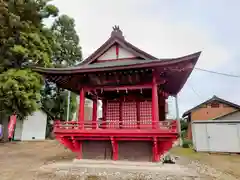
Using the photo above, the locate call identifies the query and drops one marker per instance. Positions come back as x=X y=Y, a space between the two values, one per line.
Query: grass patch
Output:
x=186 y=152
x=224 y=162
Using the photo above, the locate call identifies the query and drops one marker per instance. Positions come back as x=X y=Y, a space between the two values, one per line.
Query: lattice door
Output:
x=112 y=114
x=129 y=115
x=146 y=113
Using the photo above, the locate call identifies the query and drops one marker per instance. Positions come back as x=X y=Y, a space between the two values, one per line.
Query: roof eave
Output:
x=192 y=57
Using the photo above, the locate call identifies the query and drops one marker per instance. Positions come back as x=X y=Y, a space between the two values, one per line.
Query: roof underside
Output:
x=176 y=72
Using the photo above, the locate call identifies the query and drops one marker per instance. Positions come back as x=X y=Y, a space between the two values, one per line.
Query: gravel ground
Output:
x=206 y=170
x=122 y=170
x=28 y=161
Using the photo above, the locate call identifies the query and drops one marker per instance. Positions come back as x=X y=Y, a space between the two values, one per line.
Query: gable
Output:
x=117 y=48
x=222 y=103
x=213 y=104
x=116 y=52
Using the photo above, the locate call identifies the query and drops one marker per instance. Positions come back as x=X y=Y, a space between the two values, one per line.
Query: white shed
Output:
x=216 y=135
x=32 y=127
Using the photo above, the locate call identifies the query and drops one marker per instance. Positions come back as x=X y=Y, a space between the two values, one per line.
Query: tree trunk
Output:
x=4 y=121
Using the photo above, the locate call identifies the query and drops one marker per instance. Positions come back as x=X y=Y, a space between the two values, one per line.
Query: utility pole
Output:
x=178 y=120
x=68 y=106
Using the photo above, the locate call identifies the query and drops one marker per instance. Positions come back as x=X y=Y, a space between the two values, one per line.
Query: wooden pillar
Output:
x=138 y=113
x=155 y=115
x=155 y=150
x=114 y=149
x=94 y=114
x=120 y=114
x=81 y=108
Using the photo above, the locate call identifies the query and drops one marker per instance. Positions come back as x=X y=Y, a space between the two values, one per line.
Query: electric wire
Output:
x=219 y=73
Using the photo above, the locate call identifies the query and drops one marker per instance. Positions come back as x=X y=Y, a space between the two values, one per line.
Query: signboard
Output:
x=11 y=126
x=1 y=131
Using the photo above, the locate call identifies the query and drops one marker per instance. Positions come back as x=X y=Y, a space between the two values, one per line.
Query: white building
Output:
x=32 y=127
x=222 y=135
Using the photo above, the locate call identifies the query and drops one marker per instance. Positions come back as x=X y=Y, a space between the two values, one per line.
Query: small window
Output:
x=215 y=105
x=204 y=106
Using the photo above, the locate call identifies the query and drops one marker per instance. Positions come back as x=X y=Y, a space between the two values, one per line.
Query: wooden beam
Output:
x=125 y=87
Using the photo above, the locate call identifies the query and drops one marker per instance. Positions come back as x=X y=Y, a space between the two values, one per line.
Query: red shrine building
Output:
x=133 y=87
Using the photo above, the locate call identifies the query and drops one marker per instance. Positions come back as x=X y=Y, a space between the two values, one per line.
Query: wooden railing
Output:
x=168 y=125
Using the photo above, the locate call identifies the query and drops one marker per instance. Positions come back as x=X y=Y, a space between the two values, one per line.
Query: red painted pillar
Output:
x=114 y=149
x=155 y=155
x=155 y=115
x=81 y=108
x=94 y=114
x=138 y=114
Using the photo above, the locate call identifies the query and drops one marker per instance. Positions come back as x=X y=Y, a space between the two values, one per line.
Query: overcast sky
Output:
x=169 y=29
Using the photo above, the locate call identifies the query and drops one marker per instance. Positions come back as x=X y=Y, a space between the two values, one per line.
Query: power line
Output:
x=219 y=73
x=195 y=92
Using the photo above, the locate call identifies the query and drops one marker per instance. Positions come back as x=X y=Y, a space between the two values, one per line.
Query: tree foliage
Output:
x=66 y=52
x=19 y=91
x=55 y=102
x=23 y=39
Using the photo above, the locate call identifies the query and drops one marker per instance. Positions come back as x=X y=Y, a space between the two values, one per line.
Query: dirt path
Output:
x=23 y=161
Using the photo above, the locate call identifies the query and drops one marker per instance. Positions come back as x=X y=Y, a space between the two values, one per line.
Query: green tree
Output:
x=55 y=102
x=23 y=39
x=66 y=52
x=19 y=91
